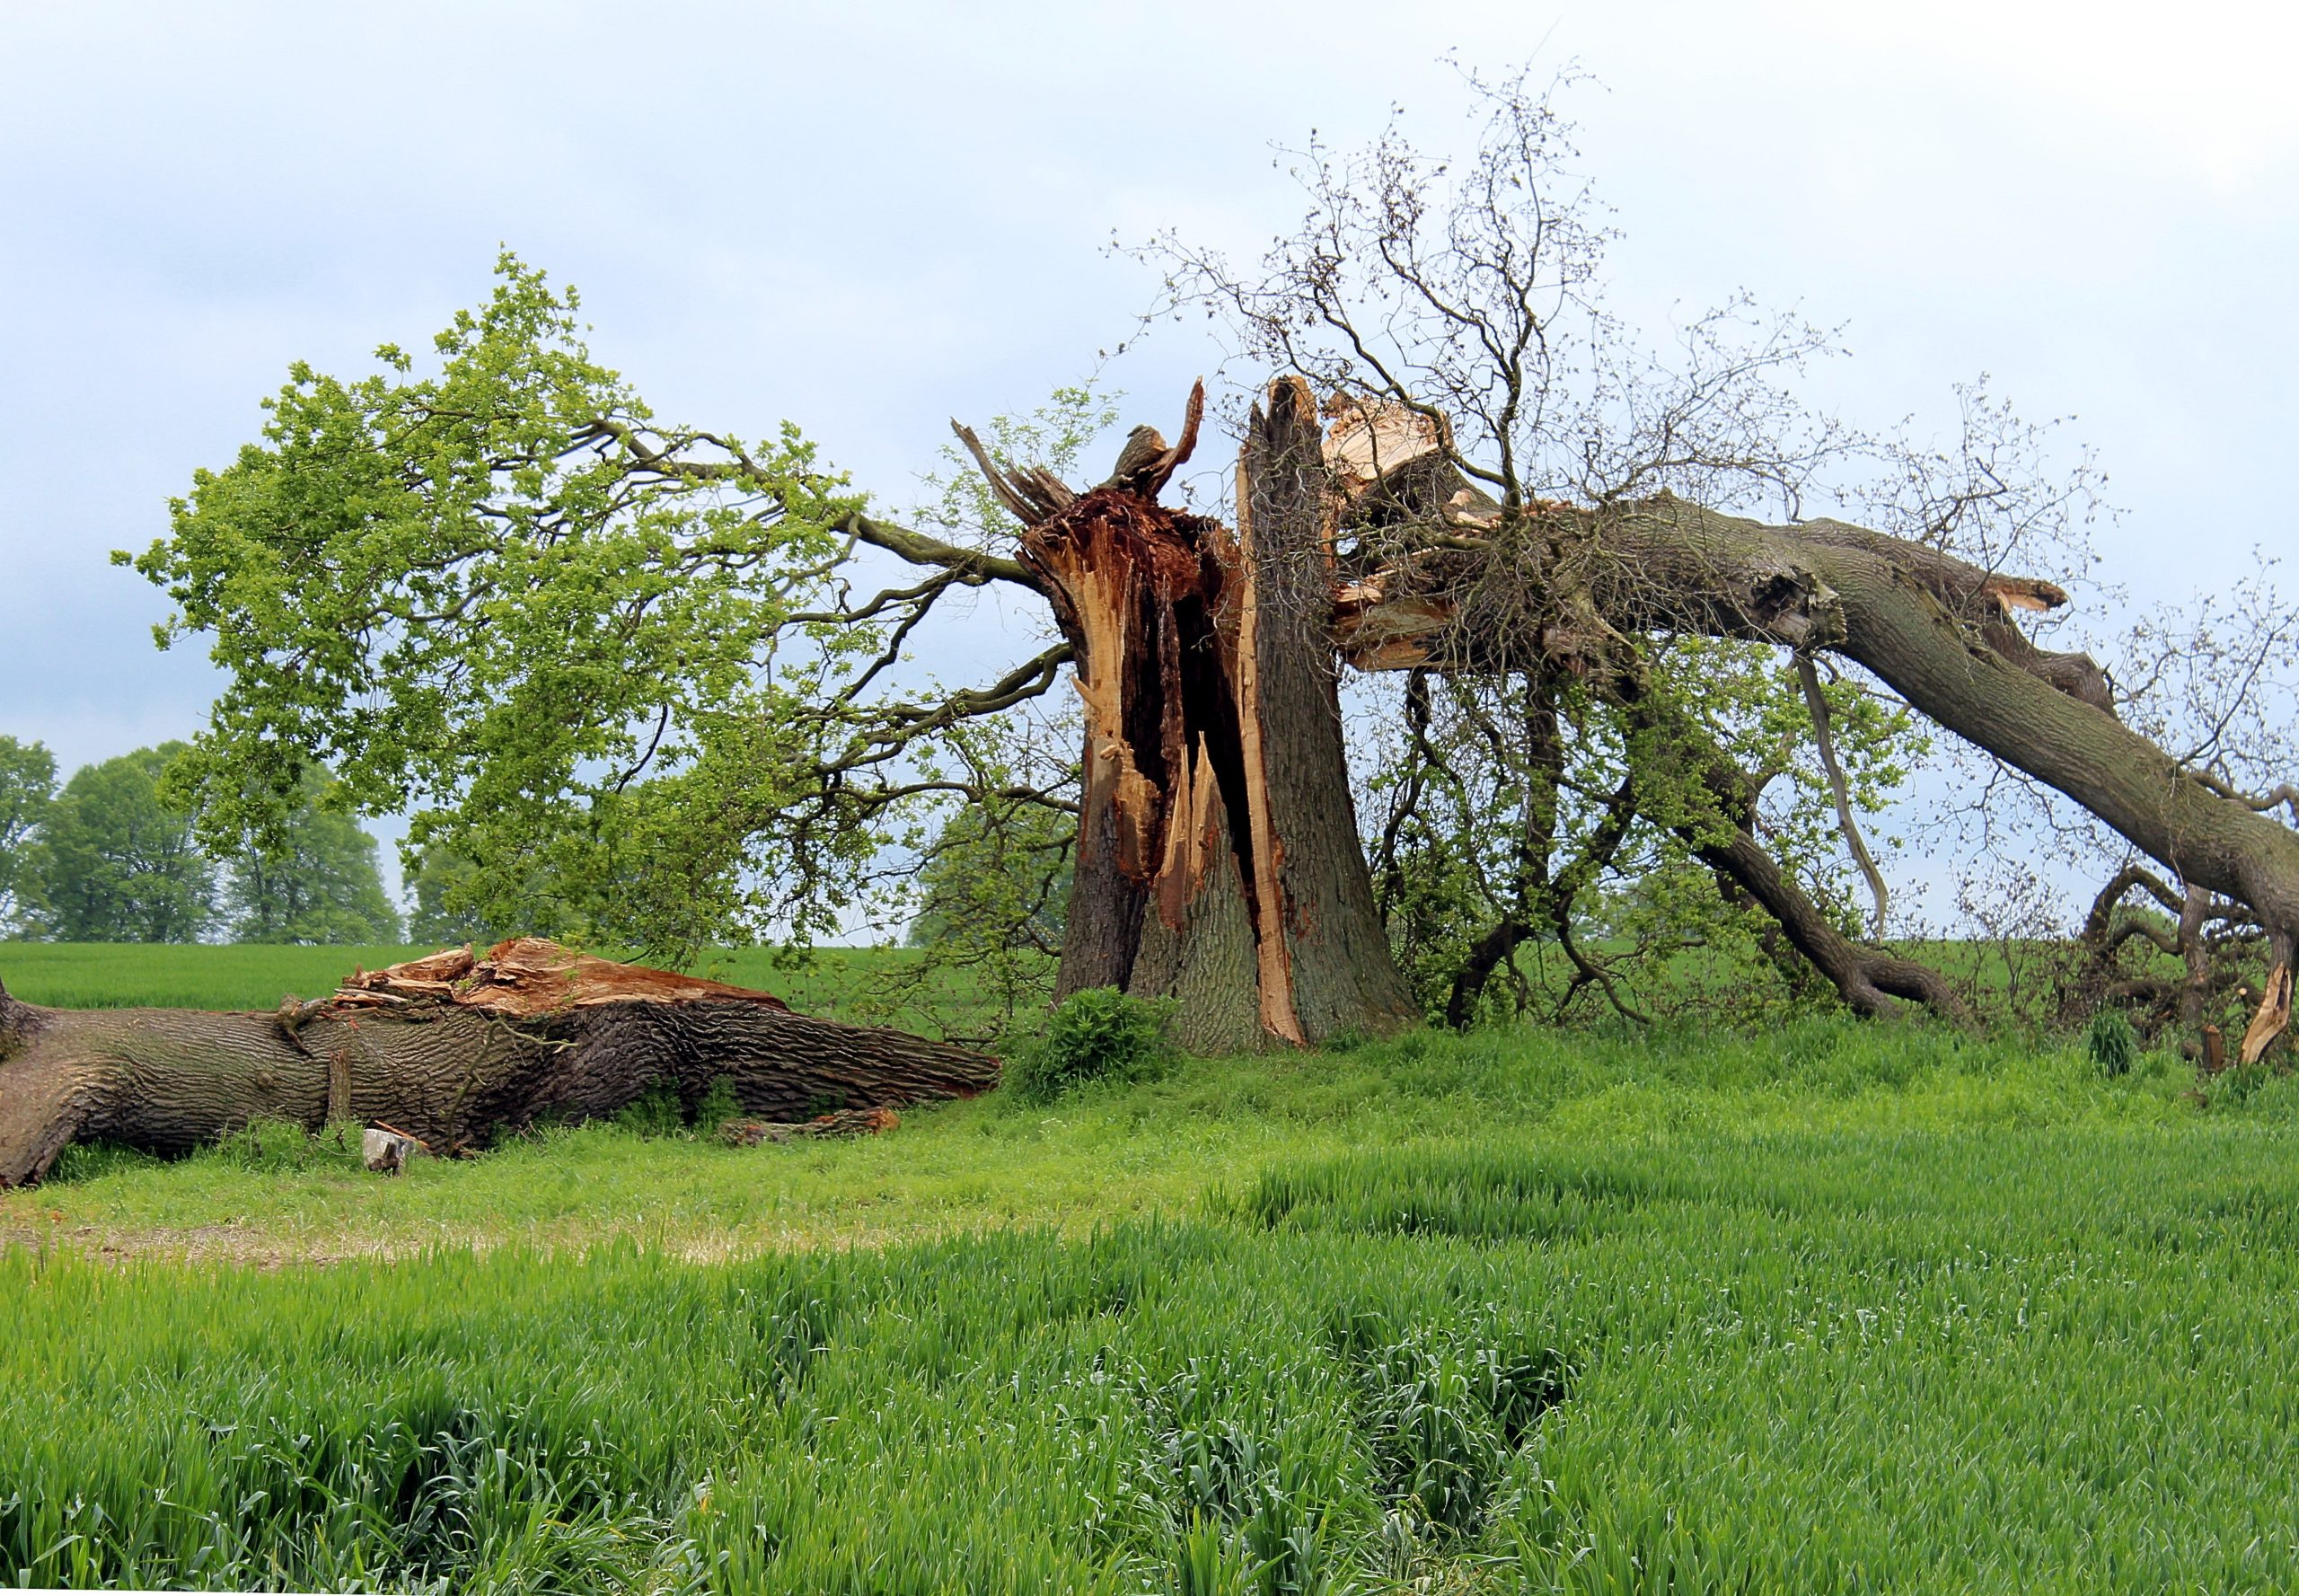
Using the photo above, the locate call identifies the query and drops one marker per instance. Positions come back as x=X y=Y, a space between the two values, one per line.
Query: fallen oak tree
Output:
x=552 y=628
x=454 y=1050
x=1563 y=589
x=1217 y=861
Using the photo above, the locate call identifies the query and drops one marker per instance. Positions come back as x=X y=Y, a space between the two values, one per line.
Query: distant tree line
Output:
x=108 y=856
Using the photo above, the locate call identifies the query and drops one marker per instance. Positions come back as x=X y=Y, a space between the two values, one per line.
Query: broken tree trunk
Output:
x=1934 y=629
x=1218 y=856
x=1218 y=861
x=452 y=1050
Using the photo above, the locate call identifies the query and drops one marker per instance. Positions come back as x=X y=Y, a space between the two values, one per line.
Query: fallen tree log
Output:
x=1559 y=588
x=454 y=1050
x=1942 y=640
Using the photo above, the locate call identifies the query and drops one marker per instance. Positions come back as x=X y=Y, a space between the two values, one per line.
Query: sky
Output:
x=867 y=218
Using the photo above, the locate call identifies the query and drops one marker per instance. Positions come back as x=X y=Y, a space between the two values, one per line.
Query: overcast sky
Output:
x=869 y=217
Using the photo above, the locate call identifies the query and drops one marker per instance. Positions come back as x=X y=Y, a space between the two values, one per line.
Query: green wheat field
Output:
x=1842 y=1309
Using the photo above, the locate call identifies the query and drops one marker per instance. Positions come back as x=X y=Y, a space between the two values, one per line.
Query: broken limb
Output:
x=453 y=1051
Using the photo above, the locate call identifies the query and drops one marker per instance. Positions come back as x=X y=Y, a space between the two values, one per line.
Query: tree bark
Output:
x=1868 y=979
x=452 y=1050
x=1935 y=629
x=1218 y=856
x=1218 y=861
x=1326 y=963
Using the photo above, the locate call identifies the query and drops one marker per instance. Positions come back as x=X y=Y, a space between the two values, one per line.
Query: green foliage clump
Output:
x=717 y=1106
x=269 y=1146
x=655 y=1112
x=118 y=860
x=1099 y=1034
x=1539 y=852
x=441 y=883
x=2112 y=1043
x=27 y=789
x=474 y=588
x=315 y=883
x=93 y=1160
x=660 y=1111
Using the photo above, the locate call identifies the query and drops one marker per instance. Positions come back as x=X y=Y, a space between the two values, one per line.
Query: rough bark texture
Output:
x=1936 y=630
x=1218 y=857
x=451 y=1058
x=1314 y=897
x=1868 y=979
x=1948 y=648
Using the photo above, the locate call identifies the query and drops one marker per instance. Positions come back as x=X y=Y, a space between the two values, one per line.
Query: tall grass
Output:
x=1825 y=1361
x=1842 y=1309
x=1101 y=1154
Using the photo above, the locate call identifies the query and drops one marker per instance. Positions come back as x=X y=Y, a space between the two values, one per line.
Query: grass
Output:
x=837 y=983
x=1845 y=1309
x=179 y=975
x=1094 y=1158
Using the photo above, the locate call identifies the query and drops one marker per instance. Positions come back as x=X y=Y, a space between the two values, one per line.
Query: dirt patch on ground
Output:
x=248 y=1247
x=242 y=1244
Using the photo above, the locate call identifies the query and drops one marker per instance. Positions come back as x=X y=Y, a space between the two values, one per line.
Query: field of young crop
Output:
x=1847 y=1308
x=66 y=975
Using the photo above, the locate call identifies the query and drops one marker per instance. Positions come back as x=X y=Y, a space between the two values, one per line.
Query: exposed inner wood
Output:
x=1263 y=860
x=2273 y=1016
x=452 y=1050
x=1200 y=868
x=527 y=975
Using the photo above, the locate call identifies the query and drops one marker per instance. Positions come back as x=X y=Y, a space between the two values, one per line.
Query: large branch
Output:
x=1936 y=631
x=919 y=549
x=2017 y=710
x=1816 y=703
x=452 y=1050
x=1868 y=979
x=666 y=459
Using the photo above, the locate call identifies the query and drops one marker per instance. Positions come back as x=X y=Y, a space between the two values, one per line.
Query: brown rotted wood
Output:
x=1218 y=859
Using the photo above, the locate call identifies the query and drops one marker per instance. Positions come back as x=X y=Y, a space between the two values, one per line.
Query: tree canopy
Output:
x=650 y=679
x=115 y=858
x=621 y=664
x=317 y=882
x=118 y=862
x=27 y=789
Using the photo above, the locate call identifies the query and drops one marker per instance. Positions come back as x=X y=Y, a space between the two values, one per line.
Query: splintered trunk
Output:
x=1217 y=857
x=452 y=1050
x=1218 y=861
